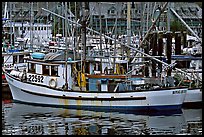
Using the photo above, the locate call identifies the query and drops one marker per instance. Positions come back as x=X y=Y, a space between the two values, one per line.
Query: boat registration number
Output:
x=179 y=92
x=35 y=78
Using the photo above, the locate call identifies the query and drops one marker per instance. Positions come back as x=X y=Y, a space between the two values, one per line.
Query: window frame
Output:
x=31 y=67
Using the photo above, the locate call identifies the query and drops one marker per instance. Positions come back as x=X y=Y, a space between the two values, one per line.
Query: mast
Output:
x=11 y=25
x=128 y=30
x=147 y=21
x=5 y=10
x=168 y=17
x=99 y=5
x=83 y=36
x=21 y=10
x=58 y=22
x=76 y=30
x=66 y=51
x=142 y=16
x=47 y=20
x=70 y=16
x=31 y=26
x=116 y=24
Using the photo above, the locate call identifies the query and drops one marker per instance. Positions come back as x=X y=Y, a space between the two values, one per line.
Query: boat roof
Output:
x=25 y=24
x=19 y=52
x=49 y=62
x=185 y=57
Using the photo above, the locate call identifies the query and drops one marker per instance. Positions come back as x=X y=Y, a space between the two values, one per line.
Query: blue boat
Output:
x=38 y=55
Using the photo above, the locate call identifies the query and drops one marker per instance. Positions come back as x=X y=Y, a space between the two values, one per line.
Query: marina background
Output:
x=27 y=119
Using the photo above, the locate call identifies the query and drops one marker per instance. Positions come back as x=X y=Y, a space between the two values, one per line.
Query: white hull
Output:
x=193 y=95
x=157 y=99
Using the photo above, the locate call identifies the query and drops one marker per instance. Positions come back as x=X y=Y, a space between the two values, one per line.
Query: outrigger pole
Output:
x=131 y=47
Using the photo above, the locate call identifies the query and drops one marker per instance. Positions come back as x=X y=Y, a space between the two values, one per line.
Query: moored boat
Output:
x=44 y=82
x=193 y=98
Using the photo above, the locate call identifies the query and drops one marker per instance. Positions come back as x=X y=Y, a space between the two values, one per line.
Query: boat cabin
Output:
x=47 y=72
x=14 y=58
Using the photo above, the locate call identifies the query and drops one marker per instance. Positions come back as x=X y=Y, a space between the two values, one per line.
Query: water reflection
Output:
x=25 y=119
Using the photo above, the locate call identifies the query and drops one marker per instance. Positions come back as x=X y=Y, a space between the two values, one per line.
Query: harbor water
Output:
x=24 y=119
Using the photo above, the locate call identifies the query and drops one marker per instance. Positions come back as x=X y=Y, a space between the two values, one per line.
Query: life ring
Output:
x=53 y=83
x=22 y=75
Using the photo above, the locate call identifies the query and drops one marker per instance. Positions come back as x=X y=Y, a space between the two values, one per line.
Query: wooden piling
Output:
x=169 y=50
x=154 y=52
x=160 y=49
x=177 y=43
x=146 y=50
x=184 y=39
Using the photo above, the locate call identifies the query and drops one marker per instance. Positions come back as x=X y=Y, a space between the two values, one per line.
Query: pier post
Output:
x=146 y=69
x=154 y=52
x=177 y=43
x=146 y=50
x=169 y=50
x=184 y=39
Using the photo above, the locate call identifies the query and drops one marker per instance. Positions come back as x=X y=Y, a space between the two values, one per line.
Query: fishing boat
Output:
x=51 y=81
x=57 y=80
x=193 y=98
x=192 y=64
x=12 y=58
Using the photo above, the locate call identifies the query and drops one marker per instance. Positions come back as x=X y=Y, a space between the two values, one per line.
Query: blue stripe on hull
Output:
x=125 y=109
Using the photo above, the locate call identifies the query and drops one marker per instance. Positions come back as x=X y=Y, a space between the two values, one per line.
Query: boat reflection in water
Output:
x=26 y=119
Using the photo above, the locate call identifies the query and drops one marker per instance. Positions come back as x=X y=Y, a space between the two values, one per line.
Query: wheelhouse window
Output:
x=31 y=68
x=97 y=66
x=54 y=70
x=21 y=58
x=45 y=69
x=2 y=61
x=14 y=59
